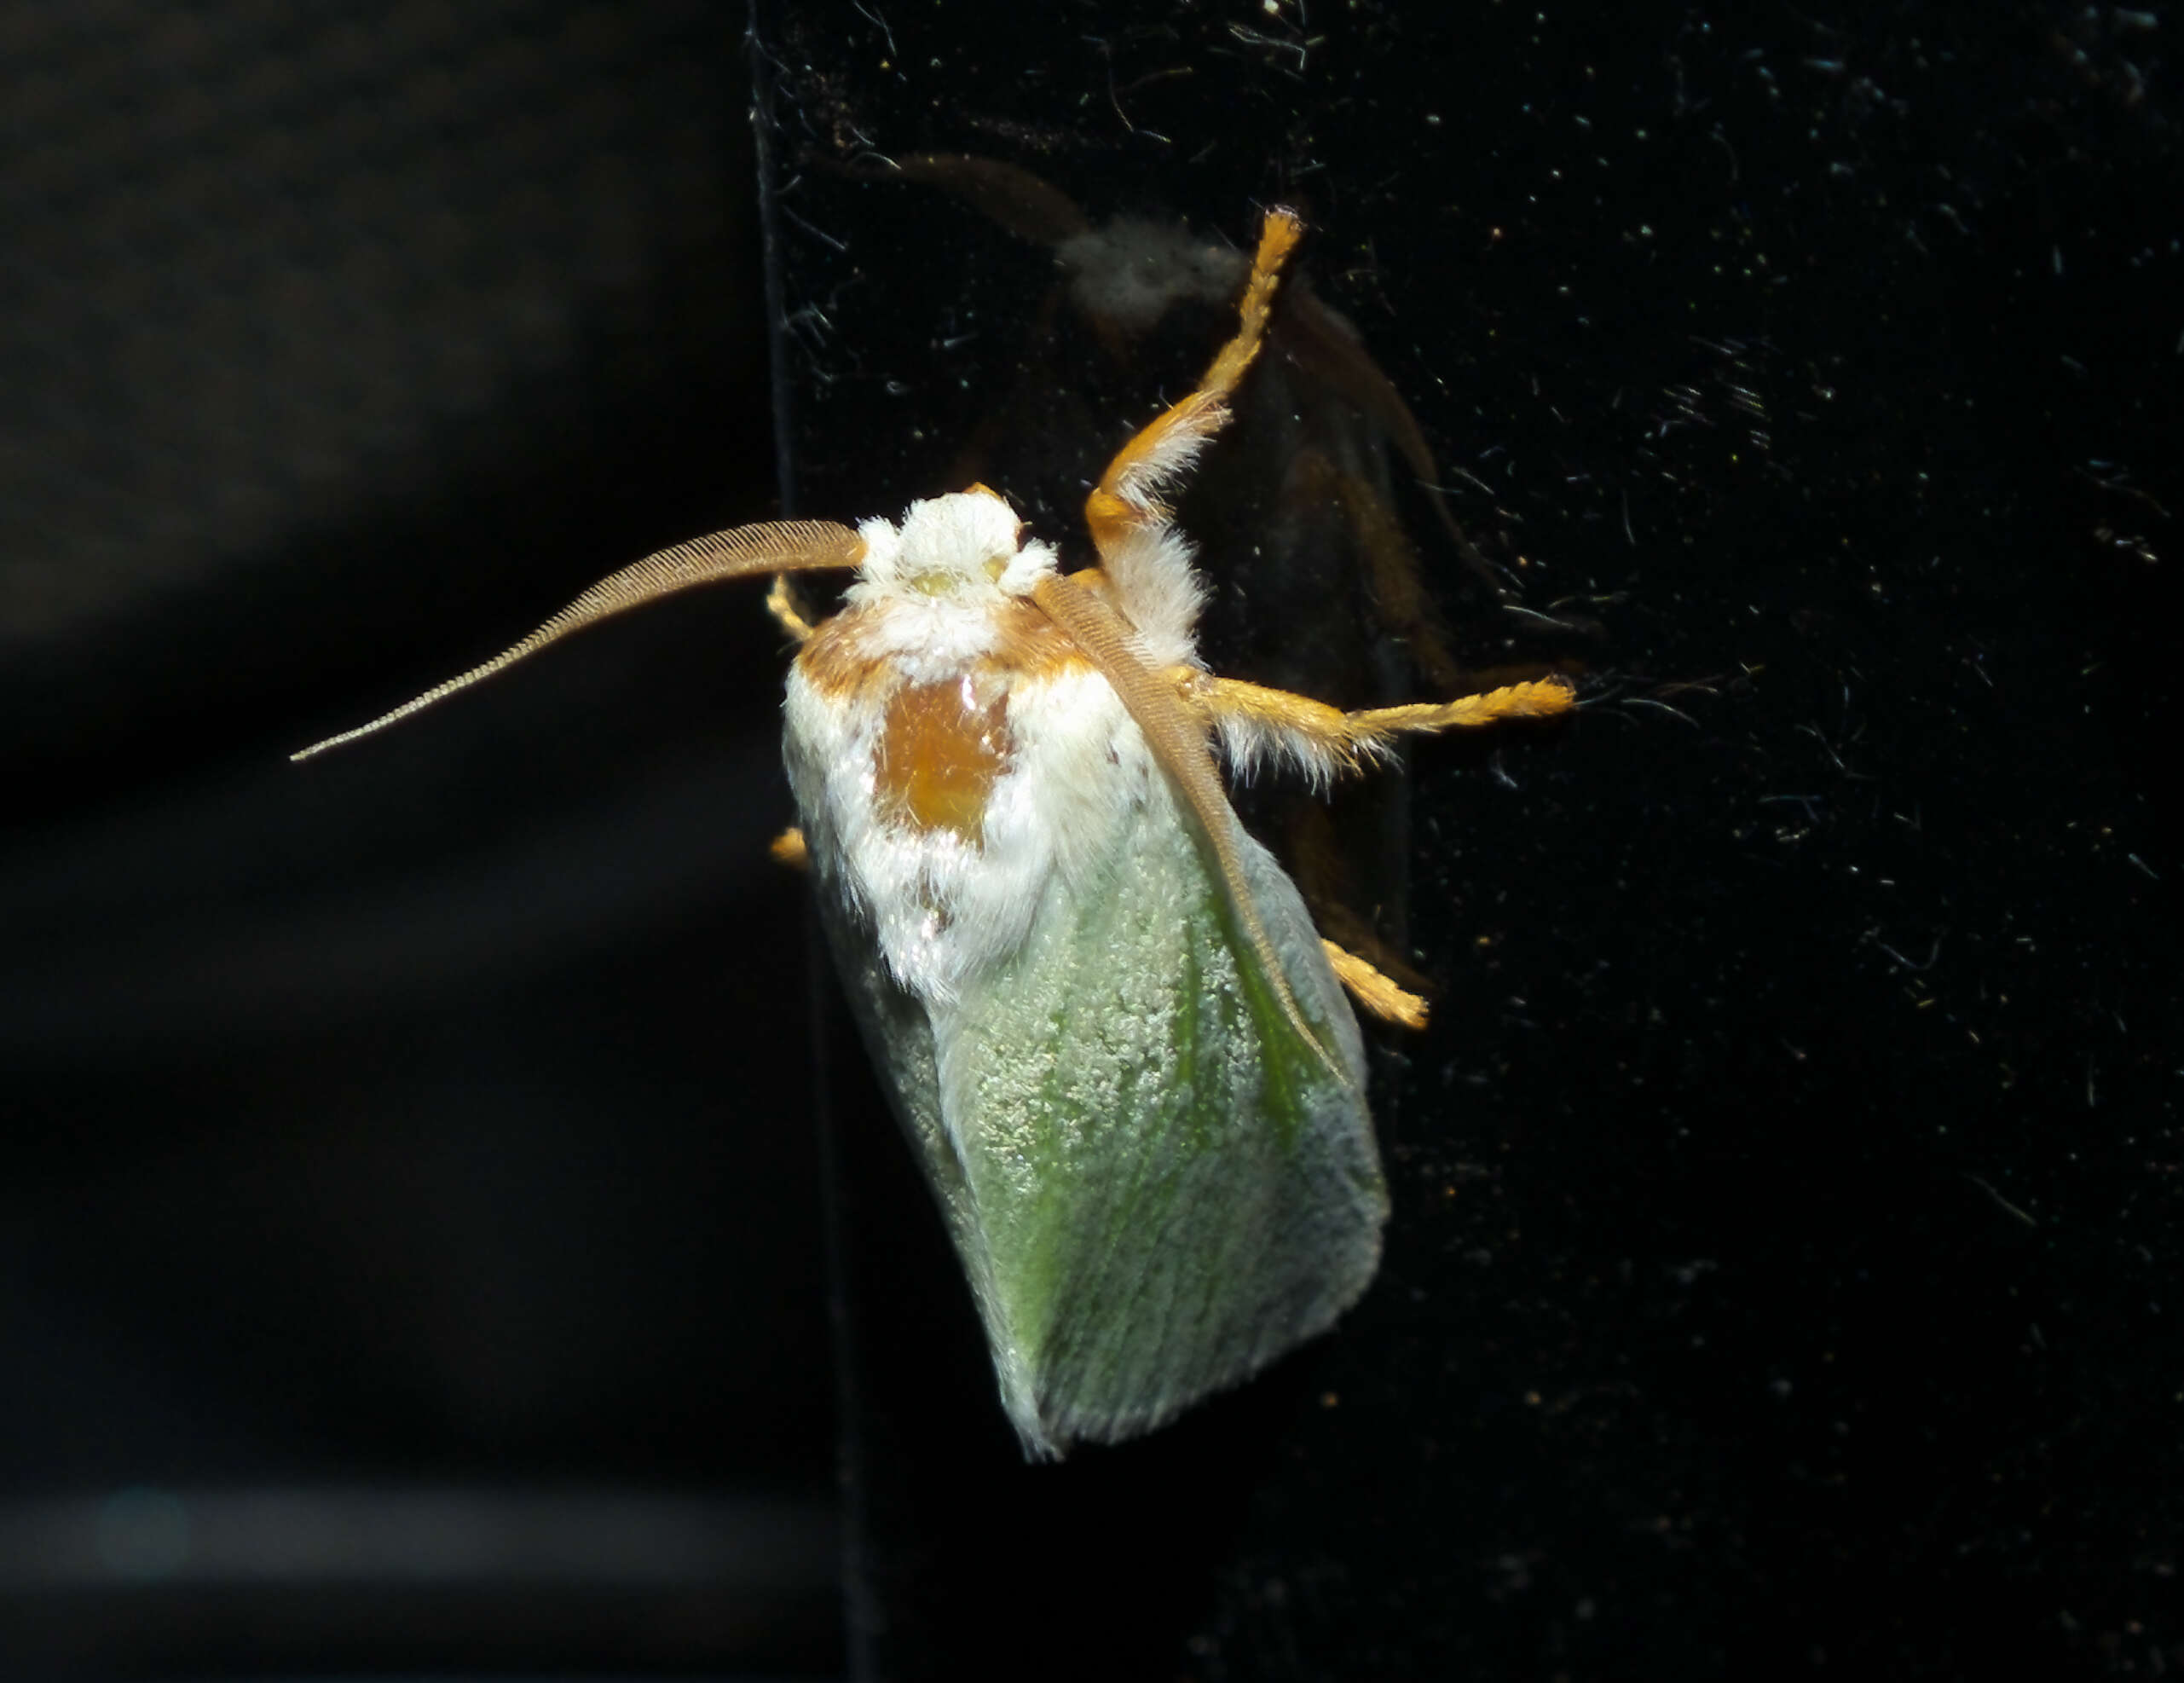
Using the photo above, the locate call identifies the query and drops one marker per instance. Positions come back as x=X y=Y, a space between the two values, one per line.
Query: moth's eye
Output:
x=996 y=567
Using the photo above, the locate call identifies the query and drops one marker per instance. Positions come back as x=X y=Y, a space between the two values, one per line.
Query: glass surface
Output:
x=1784 y=1217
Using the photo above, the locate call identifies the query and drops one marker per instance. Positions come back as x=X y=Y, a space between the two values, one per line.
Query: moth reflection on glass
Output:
x=1119 y=1047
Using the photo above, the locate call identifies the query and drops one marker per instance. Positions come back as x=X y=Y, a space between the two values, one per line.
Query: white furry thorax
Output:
x=928 y=612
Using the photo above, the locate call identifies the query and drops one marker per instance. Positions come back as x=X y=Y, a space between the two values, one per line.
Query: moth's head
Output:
x=966 y=546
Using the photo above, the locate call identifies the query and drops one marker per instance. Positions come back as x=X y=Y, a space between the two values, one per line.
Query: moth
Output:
x=1121 y=1051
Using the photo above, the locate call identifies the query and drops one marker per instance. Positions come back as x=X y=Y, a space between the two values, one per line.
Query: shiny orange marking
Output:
x=941 y=750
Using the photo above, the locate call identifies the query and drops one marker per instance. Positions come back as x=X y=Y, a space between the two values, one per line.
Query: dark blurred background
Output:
x=429 y=1179
x=408 y=1248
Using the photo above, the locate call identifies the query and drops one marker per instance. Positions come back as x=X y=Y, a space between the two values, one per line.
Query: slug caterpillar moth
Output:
x=1119 y=1047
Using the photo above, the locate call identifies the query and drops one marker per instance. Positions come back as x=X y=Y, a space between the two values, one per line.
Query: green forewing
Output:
x=1156 y=1185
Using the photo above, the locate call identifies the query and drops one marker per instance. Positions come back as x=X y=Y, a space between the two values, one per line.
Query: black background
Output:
x=1787 y=1196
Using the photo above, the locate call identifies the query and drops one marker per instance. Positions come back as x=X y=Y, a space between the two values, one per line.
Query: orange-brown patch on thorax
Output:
x=941 y=747
x=942 y=744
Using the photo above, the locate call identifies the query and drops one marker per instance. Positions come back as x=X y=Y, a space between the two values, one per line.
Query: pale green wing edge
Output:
x=1155 y=1187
